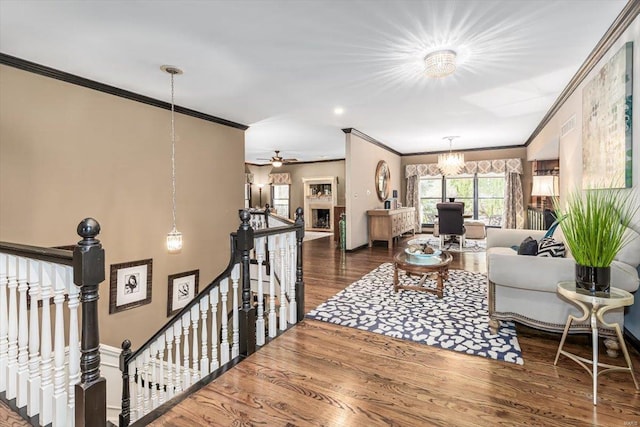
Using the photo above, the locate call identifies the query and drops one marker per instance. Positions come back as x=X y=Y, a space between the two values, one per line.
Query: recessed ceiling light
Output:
x=338 y=111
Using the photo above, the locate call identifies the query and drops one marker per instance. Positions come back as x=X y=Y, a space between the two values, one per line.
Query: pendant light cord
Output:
x=173 y=156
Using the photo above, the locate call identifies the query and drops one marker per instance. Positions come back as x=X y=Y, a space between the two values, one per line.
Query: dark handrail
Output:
x=58 y=256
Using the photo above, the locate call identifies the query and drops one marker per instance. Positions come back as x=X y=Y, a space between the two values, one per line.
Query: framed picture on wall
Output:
x=183 y=287
x=130 y=285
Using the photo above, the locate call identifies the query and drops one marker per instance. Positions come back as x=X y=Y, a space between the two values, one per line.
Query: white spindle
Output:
x=133 y=402
x=213 y=299
x=293 y=305
x=235 y=348
x=140 y=387
x=282 y=249
x=23 y=333
x=204 y=352
x=146 y=376
x=259 y=245
x=62 y=277
x=177 y=333
x=4 y=323
x=12 y=352
x=168 y=335
x=224 y=345
x=153 y=363
x=46 y=386
x=73 y=293
x=186 y=319
x=195 y=317
x=162 y=395
x=33 y=401
x=272 y=288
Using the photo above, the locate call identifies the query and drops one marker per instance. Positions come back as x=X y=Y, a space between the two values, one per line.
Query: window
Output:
x=281 y=199
x=247 y=196
x=491 y=198
x=482 y=194
x=430 y=195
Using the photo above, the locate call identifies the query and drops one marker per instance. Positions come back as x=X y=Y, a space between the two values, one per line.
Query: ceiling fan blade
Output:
x=290 y=160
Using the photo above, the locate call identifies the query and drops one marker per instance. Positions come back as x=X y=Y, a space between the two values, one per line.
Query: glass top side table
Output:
x=599 y=305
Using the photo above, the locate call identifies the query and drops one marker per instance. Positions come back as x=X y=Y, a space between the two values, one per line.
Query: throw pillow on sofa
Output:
x=529 y=246
x=551 y=248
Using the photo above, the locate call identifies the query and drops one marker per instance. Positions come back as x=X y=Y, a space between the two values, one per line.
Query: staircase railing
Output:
x=60 y=384
x=224 y=323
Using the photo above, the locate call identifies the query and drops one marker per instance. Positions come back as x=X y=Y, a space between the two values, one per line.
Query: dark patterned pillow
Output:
x=529 y=246
x=551 y=248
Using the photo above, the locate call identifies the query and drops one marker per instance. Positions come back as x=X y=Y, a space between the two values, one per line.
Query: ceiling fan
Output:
x=277 y=161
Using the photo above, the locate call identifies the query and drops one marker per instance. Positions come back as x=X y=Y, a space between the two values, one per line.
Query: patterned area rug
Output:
x=459 y=321
x=469 y=244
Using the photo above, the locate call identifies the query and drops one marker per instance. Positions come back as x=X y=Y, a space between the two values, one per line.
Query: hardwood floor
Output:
x=326 y=375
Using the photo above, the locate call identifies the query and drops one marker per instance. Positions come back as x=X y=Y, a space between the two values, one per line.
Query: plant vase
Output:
x=593 y=279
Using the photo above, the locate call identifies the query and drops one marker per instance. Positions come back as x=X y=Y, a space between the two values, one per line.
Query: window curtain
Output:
x=513 y=215
x=413 y=199
x=280 y=178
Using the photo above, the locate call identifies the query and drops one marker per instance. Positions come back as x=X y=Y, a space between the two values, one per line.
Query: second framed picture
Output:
x=183 y=287
x=130 y=285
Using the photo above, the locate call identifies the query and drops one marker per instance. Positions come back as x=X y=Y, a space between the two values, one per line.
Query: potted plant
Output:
x=594 y=227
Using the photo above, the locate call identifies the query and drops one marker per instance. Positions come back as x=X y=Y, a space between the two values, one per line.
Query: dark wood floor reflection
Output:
x=322 y=374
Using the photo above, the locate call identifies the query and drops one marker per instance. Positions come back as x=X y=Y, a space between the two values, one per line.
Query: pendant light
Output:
x=174 y=238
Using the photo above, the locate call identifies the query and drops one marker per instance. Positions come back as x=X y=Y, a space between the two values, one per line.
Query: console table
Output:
x=386 y=224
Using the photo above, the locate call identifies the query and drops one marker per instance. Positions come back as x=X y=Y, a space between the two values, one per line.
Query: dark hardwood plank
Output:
x=318 y=374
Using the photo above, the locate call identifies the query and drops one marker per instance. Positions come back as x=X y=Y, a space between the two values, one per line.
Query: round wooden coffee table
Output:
x=422 y=266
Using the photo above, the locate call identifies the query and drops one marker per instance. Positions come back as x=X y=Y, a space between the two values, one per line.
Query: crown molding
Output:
x=503 y=147
x=367 y=138
x=45 y=71
x=619 y=26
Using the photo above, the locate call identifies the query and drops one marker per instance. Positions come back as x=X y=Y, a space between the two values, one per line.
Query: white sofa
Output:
x=523 y=288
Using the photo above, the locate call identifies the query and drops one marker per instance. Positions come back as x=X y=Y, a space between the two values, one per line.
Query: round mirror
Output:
x=383 y=178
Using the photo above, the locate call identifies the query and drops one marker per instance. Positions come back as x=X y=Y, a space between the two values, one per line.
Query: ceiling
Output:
x=283 y=66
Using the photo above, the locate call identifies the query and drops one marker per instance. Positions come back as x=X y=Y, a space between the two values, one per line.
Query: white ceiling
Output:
x=281 y=67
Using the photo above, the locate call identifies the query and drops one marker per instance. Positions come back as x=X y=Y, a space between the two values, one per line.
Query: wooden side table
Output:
x=599 y=306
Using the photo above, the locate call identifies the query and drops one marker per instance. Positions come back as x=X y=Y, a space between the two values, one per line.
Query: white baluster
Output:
x=23 y=333
x=224 y=345
x=4 y=323
x=186 y=319
x=168 y=335
x=213 y=299
x=162 y=382
x=177 y=333
x=282 y=252
x=46 y=385
x=259 y=245
x=33 y=401
x=73 y=293
x=140 y=387
x=293 y=305
x=146 y=376
x=12 y=352
x=273 y=318
x=153 y=362
x=235 y=348
x=195 y=317
x=59 y=392
x=204 y=352
x=133 y=402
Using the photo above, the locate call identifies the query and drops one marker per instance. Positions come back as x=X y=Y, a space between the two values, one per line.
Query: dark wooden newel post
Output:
x=88 y=273
x=247 y=325
x=125 y=417
x=299 y=281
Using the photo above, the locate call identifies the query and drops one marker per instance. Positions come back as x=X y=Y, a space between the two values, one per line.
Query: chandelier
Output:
x=174 y=238
x=440 y=63
x=450 y=163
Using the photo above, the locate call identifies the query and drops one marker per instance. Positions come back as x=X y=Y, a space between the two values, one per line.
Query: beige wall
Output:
x=68 y=152
x=298 y=171
x=362 y=157
x=506 y=153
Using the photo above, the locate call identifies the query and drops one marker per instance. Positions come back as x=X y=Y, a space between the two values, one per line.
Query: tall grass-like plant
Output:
x=594 y=224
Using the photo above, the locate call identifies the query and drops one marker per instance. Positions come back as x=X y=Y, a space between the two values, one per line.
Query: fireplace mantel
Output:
x=320 y=196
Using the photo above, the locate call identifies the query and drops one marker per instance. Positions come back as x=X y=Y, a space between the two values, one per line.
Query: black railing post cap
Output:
x=299 y=211
x=245 y=216
x=88 y=228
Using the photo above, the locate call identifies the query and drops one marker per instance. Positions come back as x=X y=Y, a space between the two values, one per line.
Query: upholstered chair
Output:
x=451 y=221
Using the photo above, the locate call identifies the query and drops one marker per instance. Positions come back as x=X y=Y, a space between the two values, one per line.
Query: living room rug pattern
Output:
x=459 y=321
x=469 y=244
